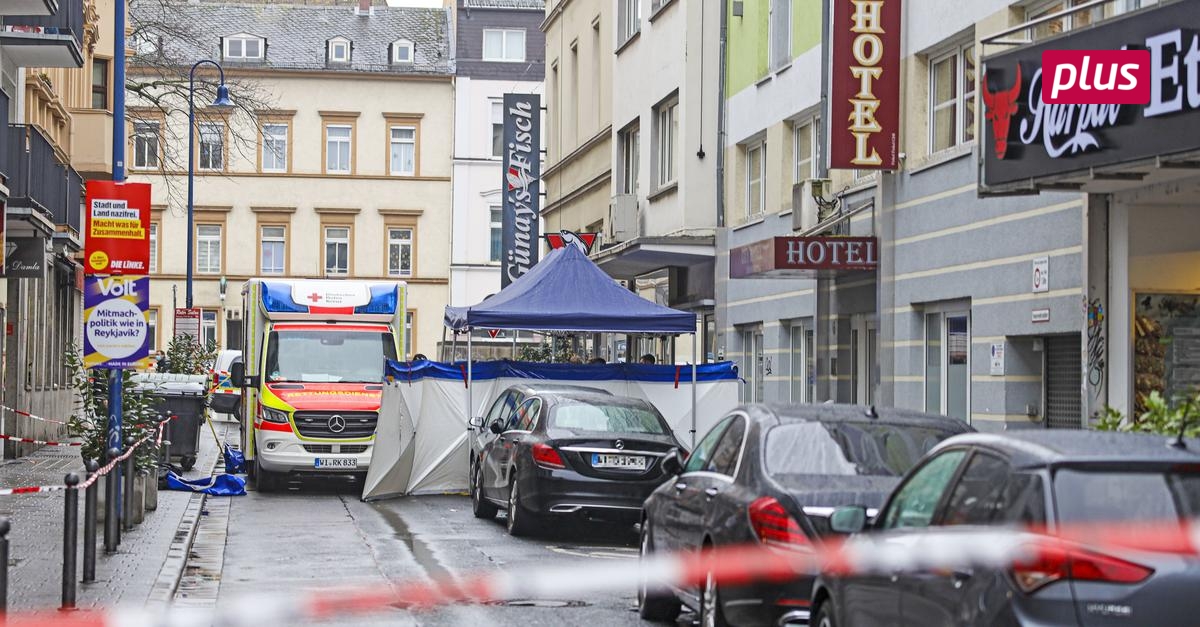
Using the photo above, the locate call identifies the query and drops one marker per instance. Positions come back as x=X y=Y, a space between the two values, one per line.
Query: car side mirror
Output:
x=475 y=422
x=848 y=520
x=237 y=374
x=671 y=464
x=496 y=427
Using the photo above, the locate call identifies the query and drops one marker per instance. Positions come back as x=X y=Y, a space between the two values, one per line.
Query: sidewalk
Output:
x=35 y=540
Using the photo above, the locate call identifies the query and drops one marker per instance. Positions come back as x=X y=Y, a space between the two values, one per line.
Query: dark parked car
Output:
x=772 y=475
x=567 y=453
x=1033 y=478
x=504 y=409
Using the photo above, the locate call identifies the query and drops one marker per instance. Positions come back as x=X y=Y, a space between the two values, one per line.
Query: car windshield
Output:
x=328 y=356
x=1086 y=495
x=609 y=418
x=849 y=448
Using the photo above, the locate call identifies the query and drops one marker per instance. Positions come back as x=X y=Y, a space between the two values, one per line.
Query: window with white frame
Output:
x=337 y=250
x=273 y=249
x=952 y=98
x=496 y=231
x=1064 y=23
x=497 y=128
x=803 y=377
x=153 y=247
x=244 y=47
x=339 y=50
x=781 y=33
x=212 y=146
x=503 y=45
x=666 y=142
x=152 y=330
x=756 y=172
x=400 y=249
x=274 y=147
x=208 y=326
x=402 y=51
x=947 y=363
x=629 y=19
x=404 y=150
x=208 y=249
x=630 y=160
x=146 y=145
x=804 y=150
x=338 y=148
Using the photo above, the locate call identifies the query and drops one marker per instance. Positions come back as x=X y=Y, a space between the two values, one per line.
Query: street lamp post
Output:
x=222 y=100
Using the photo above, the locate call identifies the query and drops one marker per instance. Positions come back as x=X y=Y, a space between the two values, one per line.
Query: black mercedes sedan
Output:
x=773 y=475
x=571 y=453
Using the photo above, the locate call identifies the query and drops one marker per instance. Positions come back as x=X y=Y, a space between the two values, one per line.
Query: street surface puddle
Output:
x=551 y=603
x=421 y=551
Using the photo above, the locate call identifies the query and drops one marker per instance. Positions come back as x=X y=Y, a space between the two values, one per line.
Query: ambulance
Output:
x=312 y=374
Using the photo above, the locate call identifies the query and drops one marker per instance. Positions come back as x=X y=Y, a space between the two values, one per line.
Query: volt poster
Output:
x=116 y=332
x=117 y=228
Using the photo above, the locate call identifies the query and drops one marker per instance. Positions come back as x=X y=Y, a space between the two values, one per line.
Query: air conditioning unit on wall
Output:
x=805 y=213
x=622 y=218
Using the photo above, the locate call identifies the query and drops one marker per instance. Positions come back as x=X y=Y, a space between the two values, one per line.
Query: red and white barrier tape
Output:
x=944 y=549
x=42 y=442
x=33 y=489
x=104 y=470
x=29 y=415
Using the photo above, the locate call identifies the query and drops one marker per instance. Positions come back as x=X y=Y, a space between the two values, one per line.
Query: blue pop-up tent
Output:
x=566 y=291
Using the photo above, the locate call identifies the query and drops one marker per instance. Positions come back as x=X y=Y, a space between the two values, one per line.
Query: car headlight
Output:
x=274 y=415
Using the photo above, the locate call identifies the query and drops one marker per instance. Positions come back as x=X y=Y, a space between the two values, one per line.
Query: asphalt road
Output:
x=319 y=534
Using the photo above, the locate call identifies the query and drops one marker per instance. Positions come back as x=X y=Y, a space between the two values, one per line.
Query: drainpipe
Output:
x=721 y=62
x=823 y=128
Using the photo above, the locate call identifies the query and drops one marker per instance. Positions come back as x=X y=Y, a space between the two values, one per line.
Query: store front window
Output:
x=1166 y=347
x=947 y=364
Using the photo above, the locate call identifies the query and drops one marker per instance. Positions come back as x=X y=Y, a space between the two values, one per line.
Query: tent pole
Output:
x=453 y=348
x=441 y=347
x=515 y=345
x=693 y=390
x=470 y=359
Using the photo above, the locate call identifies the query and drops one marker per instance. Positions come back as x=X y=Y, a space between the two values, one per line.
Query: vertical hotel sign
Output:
x=864 y=121
x=521 y=185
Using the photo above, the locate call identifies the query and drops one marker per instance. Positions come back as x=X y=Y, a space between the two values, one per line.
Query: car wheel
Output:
x=710 y=603
x=481 y=507
x=264 y=480
x=824 y=616
x=520 y=521
x=654 y=605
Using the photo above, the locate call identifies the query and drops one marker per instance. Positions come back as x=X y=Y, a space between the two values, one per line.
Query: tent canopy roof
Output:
x=566 y=291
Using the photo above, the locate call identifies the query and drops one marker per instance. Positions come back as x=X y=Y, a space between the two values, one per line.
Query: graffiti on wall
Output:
x=1096 y=346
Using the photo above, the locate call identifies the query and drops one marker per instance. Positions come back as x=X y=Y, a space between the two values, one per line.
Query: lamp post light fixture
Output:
x=221 y=102
x=223 y=284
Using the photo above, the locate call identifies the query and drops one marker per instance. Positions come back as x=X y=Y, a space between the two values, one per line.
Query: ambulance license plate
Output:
x=336 y=463
x=631 y=462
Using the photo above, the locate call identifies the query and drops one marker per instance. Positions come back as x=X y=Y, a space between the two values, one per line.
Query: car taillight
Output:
x=1057 y=563
x=772 y=524
x=545 y=456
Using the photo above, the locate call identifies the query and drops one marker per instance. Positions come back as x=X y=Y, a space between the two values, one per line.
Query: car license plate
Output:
x=631 y=462
x=342 y=463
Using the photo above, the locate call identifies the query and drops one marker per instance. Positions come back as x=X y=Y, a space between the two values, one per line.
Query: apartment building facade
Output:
x=975 y=305
x=56 y=96
x=336 y=165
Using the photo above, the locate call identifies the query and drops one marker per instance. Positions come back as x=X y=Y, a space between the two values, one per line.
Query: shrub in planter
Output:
x=90 y=418
x=1161 y=417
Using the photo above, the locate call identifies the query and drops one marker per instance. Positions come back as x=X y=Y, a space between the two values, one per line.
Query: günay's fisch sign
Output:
x=1027 y=138
x=521 y=185
x=117 y=228
x=864 y=129
x=805 y=257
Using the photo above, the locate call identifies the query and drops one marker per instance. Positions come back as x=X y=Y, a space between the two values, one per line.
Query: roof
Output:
x=506 y=4
x=1051 y=446
x=296 y=34
x=596 y=398
x=566 y=291
x=541 y=387
x=830 y=412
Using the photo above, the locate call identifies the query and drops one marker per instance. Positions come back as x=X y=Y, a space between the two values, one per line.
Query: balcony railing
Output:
x=37 y=180
x=5 y=172
x=45 y=40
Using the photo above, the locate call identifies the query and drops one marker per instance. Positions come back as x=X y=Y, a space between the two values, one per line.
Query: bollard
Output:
x=4 y=527
x=89 y=524
x=70 y=540
x=112 y=527
x=127 y=509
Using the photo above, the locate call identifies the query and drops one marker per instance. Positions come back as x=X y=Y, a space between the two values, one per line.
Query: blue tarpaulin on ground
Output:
x=486 y=370
x=216 y=485
x=566 y=291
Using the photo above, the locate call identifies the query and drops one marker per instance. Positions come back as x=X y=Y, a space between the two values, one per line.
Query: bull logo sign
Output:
x=1000 y=107
x=582 y=241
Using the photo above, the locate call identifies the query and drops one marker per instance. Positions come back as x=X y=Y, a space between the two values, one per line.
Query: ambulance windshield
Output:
x=328 y=356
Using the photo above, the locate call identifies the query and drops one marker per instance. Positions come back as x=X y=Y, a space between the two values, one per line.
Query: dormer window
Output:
x=402 y=51
x=244 y=48
x=338 y=50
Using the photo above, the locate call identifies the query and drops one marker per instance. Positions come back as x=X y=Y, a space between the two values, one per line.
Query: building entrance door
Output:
x=864 y=335
x=1062 y=382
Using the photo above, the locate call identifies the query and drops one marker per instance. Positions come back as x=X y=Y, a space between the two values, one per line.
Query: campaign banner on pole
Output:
x=521 y=185
x=116 y=332
x=117 y=228
x=864 y=120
